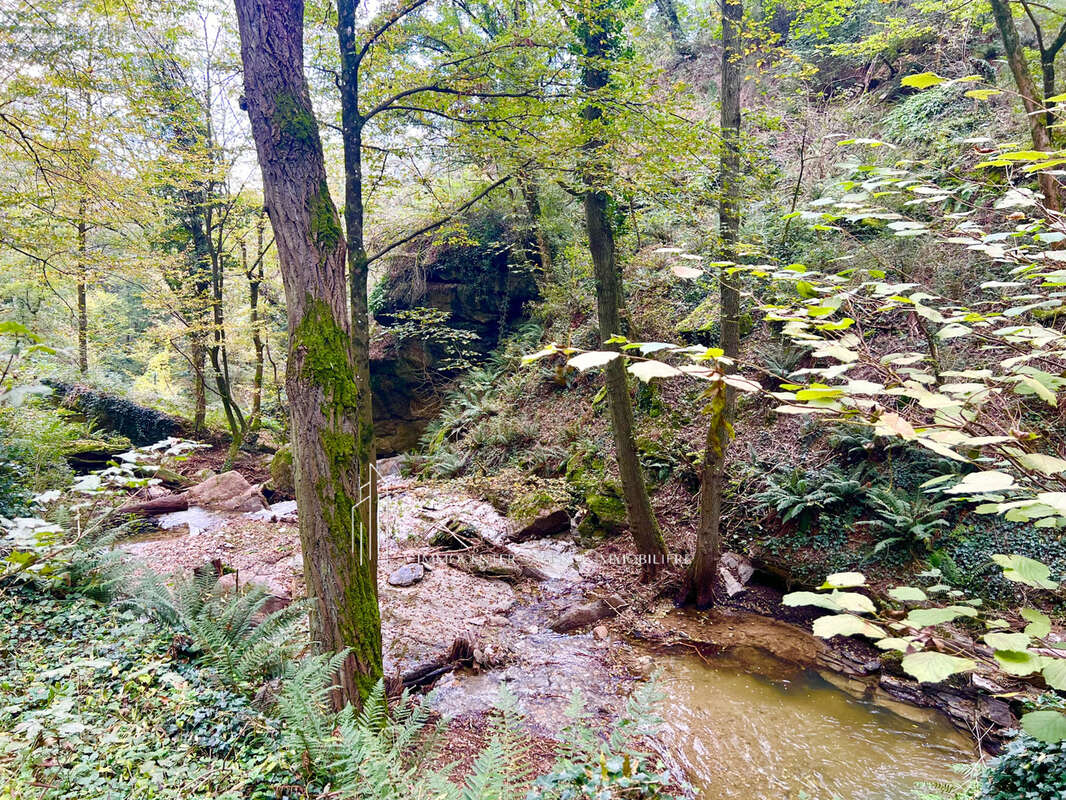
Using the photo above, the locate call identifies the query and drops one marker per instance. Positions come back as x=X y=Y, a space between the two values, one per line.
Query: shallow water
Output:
x=742 y=736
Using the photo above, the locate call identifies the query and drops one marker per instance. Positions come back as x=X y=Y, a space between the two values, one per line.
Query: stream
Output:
x=742 y=724
x=781 y=732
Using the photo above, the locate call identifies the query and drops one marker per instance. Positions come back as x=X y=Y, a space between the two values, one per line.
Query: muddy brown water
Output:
x=771 y=731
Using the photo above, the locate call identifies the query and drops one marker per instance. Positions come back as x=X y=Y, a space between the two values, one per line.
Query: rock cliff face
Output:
x=482 y=281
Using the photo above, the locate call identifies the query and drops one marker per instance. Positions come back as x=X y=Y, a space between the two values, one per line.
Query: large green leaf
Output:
x=1054 y=673
x=1047 y=726
x=844 y=580
x=931 y=667
x=1007 y=641
x=925 y=617
x=907 y=594
x=1039 y=623
x=1019 y=662
x=1022 y=569
x=846 y=625
x=837 y=601
x=923 y=80
x=593 y=358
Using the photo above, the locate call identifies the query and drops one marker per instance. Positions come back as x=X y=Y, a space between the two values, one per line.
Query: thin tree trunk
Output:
x=1031 y=99
x=668 y=11
x=82 y=279
x=254 y=273
x=358 y=271
x=198 y=356
x=528 y=187
x=721 y=405
x=330 y=441
x=609 y=300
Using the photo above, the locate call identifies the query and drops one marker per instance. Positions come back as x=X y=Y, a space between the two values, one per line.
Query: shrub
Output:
x=1028 y=770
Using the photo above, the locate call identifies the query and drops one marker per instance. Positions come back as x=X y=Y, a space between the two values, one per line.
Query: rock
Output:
x=600 y=632
x=390 y=467
x=407 y=575
x=285 y=511
x=202 y=475
x=735 y=572
x=281 y=472
x=643 y=666
x=582 y=614
x=548 y=522
x=226 y=492
x=497 y=620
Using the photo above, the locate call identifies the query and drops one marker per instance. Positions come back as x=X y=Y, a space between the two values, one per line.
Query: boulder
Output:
x=735 y=571
x=548 y=522
x=581 y=614
x=407 y=575
x=226 y=492
x=281 y=473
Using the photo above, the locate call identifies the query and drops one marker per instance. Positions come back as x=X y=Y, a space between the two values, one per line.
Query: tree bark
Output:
x=82 y=280
x=609 y=300
x=721 y=399
x=331 y=444
x=1031 y=99
x=352 y=122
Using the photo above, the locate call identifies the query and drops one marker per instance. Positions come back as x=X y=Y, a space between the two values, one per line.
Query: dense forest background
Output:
x=725 y=293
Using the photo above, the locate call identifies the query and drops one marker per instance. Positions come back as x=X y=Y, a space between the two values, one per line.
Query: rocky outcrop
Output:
x=583 y=614
x=140 y=424
x=482 y=283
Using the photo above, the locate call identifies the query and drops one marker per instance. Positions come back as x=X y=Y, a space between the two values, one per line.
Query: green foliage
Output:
x=592 y=769
x=907 y=521
x=939 y=117
x=1027 y=770
x=383 y=752
x=800 y=495
x=94 y=705
x=228 y=630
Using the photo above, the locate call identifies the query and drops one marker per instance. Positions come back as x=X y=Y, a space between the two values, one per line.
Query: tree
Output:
x=721 y=397
x=327 y=389
x=1031 y=98
x=600 y=40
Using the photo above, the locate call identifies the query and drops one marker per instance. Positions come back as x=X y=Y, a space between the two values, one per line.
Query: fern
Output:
x=229 y=630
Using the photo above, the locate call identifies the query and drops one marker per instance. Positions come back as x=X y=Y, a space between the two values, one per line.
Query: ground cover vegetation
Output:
x=778 y=283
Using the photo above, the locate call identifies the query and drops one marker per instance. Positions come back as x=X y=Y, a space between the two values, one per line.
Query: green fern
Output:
x=229 y=630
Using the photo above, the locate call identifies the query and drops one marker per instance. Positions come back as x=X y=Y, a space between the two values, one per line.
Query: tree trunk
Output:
x=721 y=399
x=1031 y=99
x=358 y=269
x=609 y=300
x=330 y=442
x=82 y=279
x=197 y=355
x=254 y=273
x=668 y=11
x=528 y=187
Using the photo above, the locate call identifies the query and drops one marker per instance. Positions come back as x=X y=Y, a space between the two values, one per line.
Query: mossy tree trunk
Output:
x=595 y=78
x=330 y=444
x=721 y=399
x=352 y=52
x=1031 y=99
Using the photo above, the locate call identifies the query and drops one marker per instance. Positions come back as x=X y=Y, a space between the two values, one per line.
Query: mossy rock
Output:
x=281 y=473
x=84 y=455
x=606 y=513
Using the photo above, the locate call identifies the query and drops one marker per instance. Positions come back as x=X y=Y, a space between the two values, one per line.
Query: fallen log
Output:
x=460 y=654
x=153 y=508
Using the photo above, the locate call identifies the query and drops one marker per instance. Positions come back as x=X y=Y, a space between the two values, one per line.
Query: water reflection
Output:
x=742 y=736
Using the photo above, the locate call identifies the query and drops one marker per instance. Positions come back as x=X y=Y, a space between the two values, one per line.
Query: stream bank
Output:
x=584 y=625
